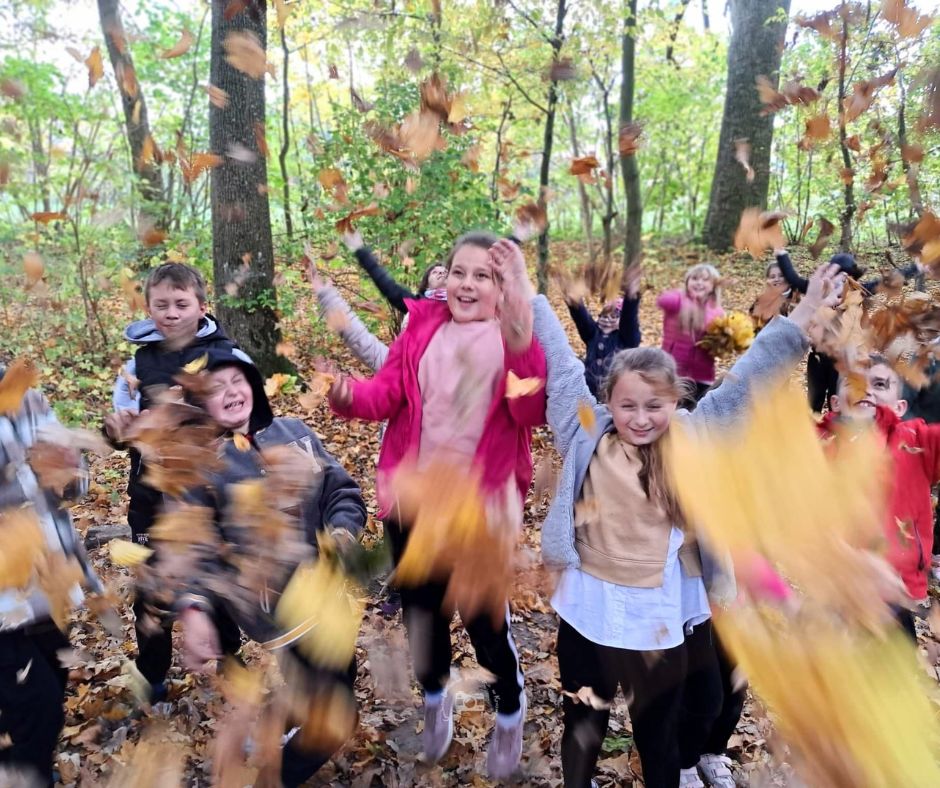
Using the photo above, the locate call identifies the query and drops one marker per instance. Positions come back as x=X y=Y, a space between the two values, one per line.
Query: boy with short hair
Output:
x=245 y=576
x=914 y=447
x=36 y=540
x=178 y=331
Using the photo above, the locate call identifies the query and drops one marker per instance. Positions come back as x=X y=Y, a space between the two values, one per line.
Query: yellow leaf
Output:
x=125 y=553
x=241 y=442
x=586 y=416
x=521 y=387
x=196 y=365
x=21 y=544
x=283 y=11
x=95 y=67
x=458 y=108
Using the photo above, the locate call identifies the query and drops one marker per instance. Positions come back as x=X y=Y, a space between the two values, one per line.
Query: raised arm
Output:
x=776 y=351
x=587 y=327
x=792 y=278
x=629 y=328
x=393 y=292
x=376 y=399
x=365 y=346
x=670 y=301
x=874 y=284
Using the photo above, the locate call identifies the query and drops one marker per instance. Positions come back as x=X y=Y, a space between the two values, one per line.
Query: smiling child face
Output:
x=472 y=290
x=230 y=400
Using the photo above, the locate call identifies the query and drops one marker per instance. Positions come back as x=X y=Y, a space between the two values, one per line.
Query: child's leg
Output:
x=702 y=695
x=496 y=652
x=32 y=696
x=584 y=726
x=731 y=707
x=428 y=628
x=653 y=682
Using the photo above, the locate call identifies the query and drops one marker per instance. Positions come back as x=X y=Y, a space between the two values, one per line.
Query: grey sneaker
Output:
x=438 y=728
x=716 y=770
x=505 y=749
x=689 y=778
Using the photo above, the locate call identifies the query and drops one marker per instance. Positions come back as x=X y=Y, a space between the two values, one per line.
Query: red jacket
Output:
x=914 y=447
x=394 y=394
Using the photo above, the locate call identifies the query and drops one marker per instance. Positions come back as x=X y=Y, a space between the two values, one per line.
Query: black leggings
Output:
x=32 y=696
x=674 y=696
x=732 y=704
x=428 y=630
x=822 y=380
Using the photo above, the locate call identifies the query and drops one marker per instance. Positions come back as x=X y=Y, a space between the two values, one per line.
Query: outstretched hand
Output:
x=824 y=290
x=341 y=393
x=515 y=312
x=353 y=240
x=631 y=280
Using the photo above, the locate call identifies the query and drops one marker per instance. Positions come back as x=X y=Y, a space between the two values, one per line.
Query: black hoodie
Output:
x=334 y=501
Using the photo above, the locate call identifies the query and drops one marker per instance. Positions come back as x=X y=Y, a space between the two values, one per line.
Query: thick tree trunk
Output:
x=541 y=271
x=136 y=123
x=629 y=166
x=755 y=49
x=241 y=218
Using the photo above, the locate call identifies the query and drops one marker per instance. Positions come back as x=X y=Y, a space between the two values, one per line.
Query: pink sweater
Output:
x=691 y=361
x=394 y=393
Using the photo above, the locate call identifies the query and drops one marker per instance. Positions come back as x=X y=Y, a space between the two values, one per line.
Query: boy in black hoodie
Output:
x=178 y=331
x=266 y=529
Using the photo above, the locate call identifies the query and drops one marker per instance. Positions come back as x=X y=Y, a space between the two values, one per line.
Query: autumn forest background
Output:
x=242 y=137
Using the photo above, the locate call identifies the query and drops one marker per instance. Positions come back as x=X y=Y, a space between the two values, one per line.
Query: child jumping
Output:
x=632 y=594
x=617 y=327
x=686 y=315
x=483 y=332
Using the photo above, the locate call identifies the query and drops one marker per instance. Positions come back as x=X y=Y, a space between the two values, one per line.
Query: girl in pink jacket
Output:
x=686 y=315
x=443 y=390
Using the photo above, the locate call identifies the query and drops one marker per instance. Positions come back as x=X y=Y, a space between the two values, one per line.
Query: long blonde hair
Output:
x=692 y=313
x=656 y=368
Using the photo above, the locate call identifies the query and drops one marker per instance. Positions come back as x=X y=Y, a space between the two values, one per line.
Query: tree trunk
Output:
x=136 y=123
x=706 y=20
x=630 y=167
x=848 y=188
x=241 y=218
x=755 y=49
x=541 y=271
x=285 y=137
x=587 y=218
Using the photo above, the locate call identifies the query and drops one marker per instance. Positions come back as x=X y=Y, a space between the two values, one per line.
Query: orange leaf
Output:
x=586 y=417
x=260 y=139
x=521 y=387
x=20 y=376
x=33 y=268
x=818 y=127
x=217 y=96
x=199 y=163
x=44 y=217
x=95 y=67
x=181 y=47
x=346 y=224
x=628 y=140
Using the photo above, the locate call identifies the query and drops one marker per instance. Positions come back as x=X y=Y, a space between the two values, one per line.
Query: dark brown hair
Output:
x=180 y=276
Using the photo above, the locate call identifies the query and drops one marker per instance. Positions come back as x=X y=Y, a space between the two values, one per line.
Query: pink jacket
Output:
x=691 y=361
x=394 y=394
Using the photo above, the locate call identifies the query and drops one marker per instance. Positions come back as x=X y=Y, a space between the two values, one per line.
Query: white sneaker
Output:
x=505 y=750
x=438 y=728
x=716 y=769
x=689 y=778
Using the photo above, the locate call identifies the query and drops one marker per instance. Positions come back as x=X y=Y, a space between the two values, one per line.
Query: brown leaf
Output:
x=863 y=94
x=181 y=47
x=44 y=217
x=21 y=545
x=260 y=138
x=33 y=267
x=12 y=88
x=19 y=377
x=198 y=164
x=818 y=128
x=217 y=96
x=854 y=143
x=742 y=154
x=243 y=51
x=517 y=387
x=347 y=223
x=628 y=139
x=912 y=154
x=826 y=229
x=562 y=70
x=413 y=61
x=757 y=232
x=821 y=23
x=358 y=102
x=533 y=214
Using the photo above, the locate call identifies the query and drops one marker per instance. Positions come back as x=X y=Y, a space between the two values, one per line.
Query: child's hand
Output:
x=824 y=290
x=317 y=282
x=116 y=424
x=341 y=393
x=200 y=640
x=353 y=240
x=509 y=263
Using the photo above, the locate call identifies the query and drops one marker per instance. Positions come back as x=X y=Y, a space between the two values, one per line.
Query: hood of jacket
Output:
x=261 y=413
x=145 y=332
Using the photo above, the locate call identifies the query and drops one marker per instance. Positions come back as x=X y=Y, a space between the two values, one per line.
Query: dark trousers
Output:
x=428 y=628
x=732 y=704
x=32 y=695
x=700 y=390
x=673 y=695
x=822 y=380
x=299 y=765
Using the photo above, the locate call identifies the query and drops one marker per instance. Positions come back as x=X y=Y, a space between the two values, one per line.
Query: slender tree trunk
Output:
x=706 y=20
x=587 y=219
x=241 y=218
x=557 y=41
x=674 y=32
x=848 y=188
x=285 y=137
x=630 y=167
x=755 y=49
x=497 y=166
x=137 y=124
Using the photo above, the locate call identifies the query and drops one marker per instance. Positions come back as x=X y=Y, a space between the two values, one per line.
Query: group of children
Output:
x=635 y=589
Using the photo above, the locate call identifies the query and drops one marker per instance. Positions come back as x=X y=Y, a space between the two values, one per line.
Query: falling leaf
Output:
x=181 y=47
x=283 y=11
x=198 y=164
x=347 y=223
x=908 y=21
x=586 y=417
x=413 y=61
x=912 y=154
x=854 y=143
x=826 y=229
x=127 y=78
x=847 y=175
x=628 y=139
x=561 y=70
x=19 y=377
x=534 y=217
x=863 y=94
x=318 y=386
x=125 y=553
x=243 y=52
x=21 y=544
x=759 y=231
x=821 y=23
x=12 y=88
x=241 y=442
x=818 y=128
x=260 y=138
x=33 y=267
x=458 y=108
x=217 y=96
x=149 y=233
x=583 y=167
x=95 y=67
x=742 y=154
x=238 y=152
x=793 y=92
x=521 y=387
x=358 y=102
x=275 y=384
x=333 y=71
x=45 y=217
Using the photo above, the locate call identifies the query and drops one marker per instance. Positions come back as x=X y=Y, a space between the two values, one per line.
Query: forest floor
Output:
x=102 y=740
